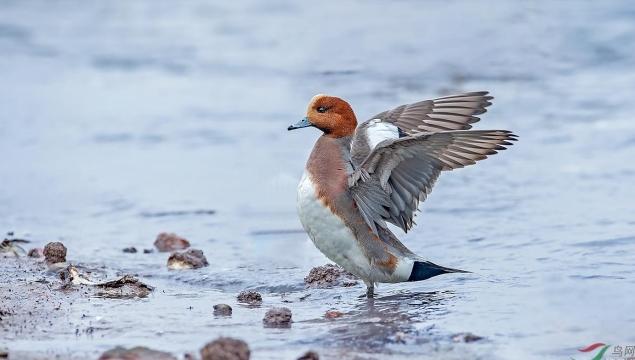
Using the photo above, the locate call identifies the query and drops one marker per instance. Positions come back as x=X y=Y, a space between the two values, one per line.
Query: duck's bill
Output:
x=300 y=124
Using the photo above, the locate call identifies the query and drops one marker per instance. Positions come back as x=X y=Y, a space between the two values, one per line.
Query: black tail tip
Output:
x=423 y=270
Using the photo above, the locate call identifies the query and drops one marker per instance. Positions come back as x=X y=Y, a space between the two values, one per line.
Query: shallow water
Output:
x=122 y=120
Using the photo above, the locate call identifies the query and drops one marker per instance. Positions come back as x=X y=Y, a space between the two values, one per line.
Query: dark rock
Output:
x=148 y=251
x=466 y=337
x=329 y=275
x=222 y=310
x=277 y=317
x=137 y=353
x=333 y=314
x=55 y=252
x=36 y=253
x=310 y=355
x=4 y=353
x=249 y=297
x=189 y=259
x=226 y=349
x=130 y=250
x=170 y=242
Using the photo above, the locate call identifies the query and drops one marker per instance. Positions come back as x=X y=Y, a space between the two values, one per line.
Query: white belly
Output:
x=329 y=233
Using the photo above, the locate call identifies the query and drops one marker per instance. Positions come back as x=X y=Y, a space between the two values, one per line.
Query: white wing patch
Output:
x=378 y=131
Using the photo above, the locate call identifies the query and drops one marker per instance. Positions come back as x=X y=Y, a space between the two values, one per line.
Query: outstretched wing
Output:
x=456 y=112
x=400 y=173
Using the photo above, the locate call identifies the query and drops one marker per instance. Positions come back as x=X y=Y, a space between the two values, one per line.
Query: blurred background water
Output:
x=112 y=113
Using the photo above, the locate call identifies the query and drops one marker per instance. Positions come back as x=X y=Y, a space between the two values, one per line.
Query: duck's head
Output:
x=332 y=115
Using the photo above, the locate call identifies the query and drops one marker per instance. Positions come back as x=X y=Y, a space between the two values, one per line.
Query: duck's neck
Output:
x=330 y=164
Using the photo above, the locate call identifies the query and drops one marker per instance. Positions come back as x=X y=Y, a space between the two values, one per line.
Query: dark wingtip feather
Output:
x=474 y=119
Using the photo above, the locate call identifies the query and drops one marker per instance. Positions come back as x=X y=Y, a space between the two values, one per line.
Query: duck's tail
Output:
x=422 y=270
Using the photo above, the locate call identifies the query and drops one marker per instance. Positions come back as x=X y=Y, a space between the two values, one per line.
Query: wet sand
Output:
x=40 y=305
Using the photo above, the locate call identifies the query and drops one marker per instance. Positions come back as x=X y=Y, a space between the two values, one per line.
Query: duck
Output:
x=360 y=178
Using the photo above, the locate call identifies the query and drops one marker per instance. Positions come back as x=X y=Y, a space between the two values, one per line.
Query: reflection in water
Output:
x=391 y=319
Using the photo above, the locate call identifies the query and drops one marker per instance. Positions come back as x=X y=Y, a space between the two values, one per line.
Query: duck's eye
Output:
x=321 y=109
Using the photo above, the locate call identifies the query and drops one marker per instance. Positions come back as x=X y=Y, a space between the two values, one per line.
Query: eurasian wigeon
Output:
x=358 y=178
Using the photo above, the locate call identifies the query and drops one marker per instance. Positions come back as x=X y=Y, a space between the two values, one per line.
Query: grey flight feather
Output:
x=456 y=112
x=399 y=173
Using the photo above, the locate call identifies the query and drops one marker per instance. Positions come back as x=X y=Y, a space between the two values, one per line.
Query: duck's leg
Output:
x=370 y=291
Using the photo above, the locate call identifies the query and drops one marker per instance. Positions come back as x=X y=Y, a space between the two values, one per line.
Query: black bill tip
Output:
x=300 y=124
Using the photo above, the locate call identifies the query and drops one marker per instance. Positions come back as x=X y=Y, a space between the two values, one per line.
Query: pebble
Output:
x=226 y=349
x=189 y=259
x=249 y=297
x=222 y=310
x=309 y=355
x=466 y=337
x=55 y=252
x=36 y=253
x=277 y=317
x=328 y=276
x=137 y=353
x=170 y=242
x=333 y=314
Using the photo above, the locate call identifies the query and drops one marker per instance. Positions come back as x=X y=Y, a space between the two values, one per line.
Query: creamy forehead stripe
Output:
x=378 y=131
x=315 y=98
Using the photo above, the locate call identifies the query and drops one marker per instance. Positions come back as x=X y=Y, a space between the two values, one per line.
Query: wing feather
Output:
x=455 y=112
x=398 y=174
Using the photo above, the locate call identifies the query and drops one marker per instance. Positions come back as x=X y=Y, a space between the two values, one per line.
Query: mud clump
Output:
x=130 y=250
x=226 y=349
x=170 y=242
x=333 y=314
x=137 y=353
x=329 y=275
x=55 y=252
x=466 y=337
x=222 y=310
x=36 y=253
x=310 y=355
x=249 y=297
x=125 y=287
x=190 y=259
x=277 y=317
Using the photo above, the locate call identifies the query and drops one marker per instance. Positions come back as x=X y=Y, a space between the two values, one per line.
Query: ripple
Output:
x=609 y=242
